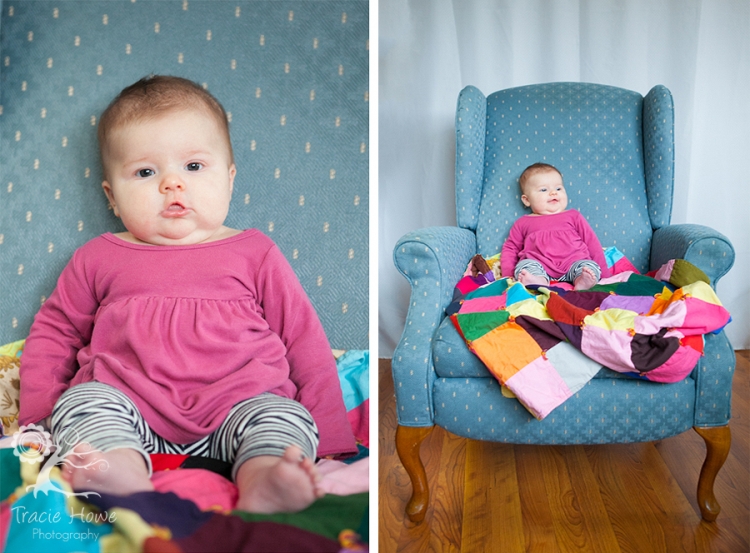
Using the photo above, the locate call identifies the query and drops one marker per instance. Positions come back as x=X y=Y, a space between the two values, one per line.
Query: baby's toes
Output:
x=293 y=454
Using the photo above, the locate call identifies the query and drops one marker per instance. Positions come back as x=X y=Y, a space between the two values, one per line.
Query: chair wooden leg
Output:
x=718 y=440
x=408 y=440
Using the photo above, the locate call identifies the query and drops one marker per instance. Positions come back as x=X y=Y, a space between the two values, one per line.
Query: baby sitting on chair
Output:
x=551 y=242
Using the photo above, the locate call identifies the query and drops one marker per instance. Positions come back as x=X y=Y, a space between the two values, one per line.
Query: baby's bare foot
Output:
x=585 y=280
x=118 y=472
x=527 y=279
x=286 y=484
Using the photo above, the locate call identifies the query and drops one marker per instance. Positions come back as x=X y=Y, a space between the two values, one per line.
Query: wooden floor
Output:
x=602 y=499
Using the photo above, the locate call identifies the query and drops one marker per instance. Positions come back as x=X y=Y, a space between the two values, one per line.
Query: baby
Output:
x=551 y=242
x=182 y=335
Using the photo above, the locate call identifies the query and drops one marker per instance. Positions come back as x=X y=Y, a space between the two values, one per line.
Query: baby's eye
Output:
x=542 y=190
x=145 y=173
x=195 y=166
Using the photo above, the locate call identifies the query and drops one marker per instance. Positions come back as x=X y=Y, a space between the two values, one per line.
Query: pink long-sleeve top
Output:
x=556 y=241
x=186 y=332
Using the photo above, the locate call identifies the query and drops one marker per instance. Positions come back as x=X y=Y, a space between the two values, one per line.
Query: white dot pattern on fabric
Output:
x=658 y=130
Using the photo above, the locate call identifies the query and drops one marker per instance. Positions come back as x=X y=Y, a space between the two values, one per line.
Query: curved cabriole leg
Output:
x=718 y=439
x=408 y=440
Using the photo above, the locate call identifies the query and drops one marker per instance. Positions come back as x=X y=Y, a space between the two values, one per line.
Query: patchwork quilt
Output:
x=192 y=509
x=544 y=343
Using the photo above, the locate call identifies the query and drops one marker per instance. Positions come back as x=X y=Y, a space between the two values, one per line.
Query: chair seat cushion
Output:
x=452 y=357
x=606 y=410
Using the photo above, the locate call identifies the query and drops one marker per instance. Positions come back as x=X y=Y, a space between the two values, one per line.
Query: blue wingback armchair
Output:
x=615 y=149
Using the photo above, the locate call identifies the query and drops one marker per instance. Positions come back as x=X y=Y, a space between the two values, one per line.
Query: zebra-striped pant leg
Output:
x=264 y=425
x=577 y=268
x=532 y=266
x=104 y=418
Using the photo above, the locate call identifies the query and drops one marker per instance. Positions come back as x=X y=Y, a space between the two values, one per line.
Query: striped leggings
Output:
x=105 y=418
x=536 y=268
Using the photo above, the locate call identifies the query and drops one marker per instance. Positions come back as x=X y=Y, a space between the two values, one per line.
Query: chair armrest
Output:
x=432 y=260
x=713 y=253
x=713 y=376
x=702 y=246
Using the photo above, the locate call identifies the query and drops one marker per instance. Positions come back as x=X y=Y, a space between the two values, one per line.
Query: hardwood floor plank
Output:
x=720 y=538
x=567 y=518
x=629 y=501
x=676 y=515
x=448 y=497
x=492 y=508
x=505 y=500
x=478 y=488
x=601 y=536
x=538 y=521
x=684 y=456
x=732 y=489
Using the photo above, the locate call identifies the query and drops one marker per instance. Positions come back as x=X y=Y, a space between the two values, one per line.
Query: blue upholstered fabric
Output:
x=658 y=151
x=428 y=260
x=604 y=411
x=713 y=376
x=471 y=114
x=451 y=357
x=702 y=246
x=615 y=149
x=293 y=76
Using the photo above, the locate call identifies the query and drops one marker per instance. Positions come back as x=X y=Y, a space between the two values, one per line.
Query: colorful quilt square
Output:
x=539 y=387
x=506 y=350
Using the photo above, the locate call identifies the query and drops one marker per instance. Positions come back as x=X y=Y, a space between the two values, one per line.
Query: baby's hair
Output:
x=532 y=170
x=155 y=95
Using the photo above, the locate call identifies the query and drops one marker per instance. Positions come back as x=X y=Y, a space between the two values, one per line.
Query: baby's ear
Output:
x=525 y=200
x=232 y=174
x=108 y=191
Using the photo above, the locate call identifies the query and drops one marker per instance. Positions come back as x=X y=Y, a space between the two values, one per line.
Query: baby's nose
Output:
x=171 y=182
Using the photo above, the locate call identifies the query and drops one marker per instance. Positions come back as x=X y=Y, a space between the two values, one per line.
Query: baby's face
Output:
x=170 y=178
x=545 y=193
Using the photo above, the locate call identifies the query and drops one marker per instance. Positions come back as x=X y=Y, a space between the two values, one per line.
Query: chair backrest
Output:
x=293 y=76
x=613 y=147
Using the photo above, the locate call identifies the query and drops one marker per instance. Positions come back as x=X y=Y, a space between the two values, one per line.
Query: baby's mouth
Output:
x=175 y=209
